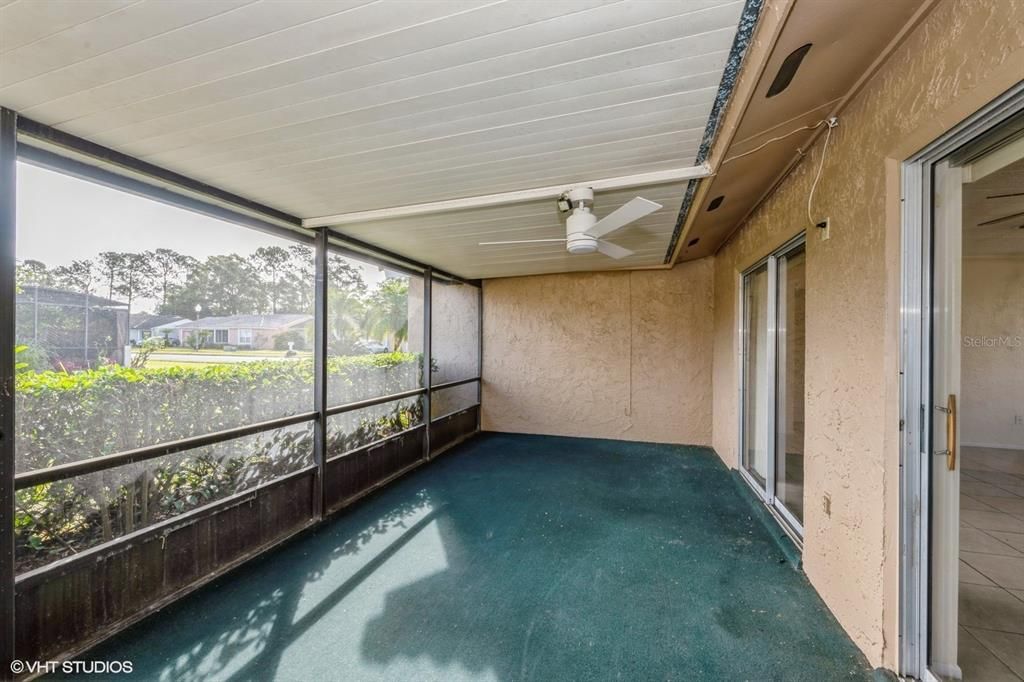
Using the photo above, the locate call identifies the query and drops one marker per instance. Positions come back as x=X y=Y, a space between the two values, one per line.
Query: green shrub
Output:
x=62 y=417
x=296 y=337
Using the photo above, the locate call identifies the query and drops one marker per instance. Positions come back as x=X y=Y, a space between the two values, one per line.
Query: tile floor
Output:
x=992 y=564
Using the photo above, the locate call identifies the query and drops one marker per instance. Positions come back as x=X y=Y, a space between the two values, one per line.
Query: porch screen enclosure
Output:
x=296 y=372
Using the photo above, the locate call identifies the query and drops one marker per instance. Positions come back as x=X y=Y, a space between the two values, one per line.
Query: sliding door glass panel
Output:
x=789 y=401
x=756 y=380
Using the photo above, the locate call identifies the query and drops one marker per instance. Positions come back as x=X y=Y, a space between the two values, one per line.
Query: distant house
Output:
x=244 y=331
x=144 y=326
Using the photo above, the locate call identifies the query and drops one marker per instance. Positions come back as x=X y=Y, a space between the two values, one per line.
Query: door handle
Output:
x=950 y=451
x=951 y=444
x=951 y=432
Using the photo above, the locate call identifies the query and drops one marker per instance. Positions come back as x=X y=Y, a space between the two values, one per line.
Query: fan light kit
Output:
x=583 y=231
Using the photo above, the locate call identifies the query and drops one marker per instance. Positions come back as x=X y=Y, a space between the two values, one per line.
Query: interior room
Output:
x=506 y=339
x=991 y=607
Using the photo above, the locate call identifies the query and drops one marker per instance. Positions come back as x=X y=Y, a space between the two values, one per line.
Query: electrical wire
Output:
x=774 y=139
x=832 y=123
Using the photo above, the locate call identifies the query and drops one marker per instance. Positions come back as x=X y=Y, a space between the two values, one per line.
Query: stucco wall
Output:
x=623 y=355
x=992 y=355
x=455 y=345
x=455 y=342
x=962 y=55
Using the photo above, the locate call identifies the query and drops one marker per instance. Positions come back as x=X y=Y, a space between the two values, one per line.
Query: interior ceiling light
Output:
x=788 y=69
x=715 y=203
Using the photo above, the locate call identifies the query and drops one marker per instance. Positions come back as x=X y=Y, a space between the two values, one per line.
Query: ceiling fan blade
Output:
x=634 y=209
x=612 y=250
x=521 y=241
x=999 y=220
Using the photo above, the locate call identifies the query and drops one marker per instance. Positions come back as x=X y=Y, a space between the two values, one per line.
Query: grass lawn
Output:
x=163 y=364
x=240 y=353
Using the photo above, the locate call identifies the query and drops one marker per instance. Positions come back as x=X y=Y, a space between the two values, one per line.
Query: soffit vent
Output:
x=788 y=70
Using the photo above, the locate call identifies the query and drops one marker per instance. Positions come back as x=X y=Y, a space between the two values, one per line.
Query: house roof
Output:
x=278 y=321
x=148 y=321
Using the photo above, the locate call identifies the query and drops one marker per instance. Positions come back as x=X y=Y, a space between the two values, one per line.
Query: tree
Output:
x=222 y=285
x=134 y=278
x=388 y=312
x=297 y=286
x=342 y=275
x=232 y=280
x=33 y=273
x=79 y=275
x=110 y=265
x=272 y=262
x=169 y=269
x=346 y=318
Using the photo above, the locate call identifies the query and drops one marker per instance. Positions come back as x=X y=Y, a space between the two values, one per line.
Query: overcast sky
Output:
x=61 y=219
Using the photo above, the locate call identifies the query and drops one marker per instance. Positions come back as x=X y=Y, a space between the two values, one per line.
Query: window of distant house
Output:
x=220 y=335
x=244 y=337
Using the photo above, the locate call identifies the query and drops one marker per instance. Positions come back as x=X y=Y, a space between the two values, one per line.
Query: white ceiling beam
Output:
x=515 y=197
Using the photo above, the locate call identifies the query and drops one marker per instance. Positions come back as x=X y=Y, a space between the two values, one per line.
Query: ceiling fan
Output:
x=1005 y=217
x=583 y=231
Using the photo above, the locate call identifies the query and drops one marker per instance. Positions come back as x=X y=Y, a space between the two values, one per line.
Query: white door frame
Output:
x=915 y=367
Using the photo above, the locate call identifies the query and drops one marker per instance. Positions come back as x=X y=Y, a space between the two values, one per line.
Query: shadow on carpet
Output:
x=514 y=558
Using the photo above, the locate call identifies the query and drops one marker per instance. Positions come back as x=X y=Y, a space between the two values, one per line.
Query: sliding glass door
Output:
x=772 y=382
x=789 y=385
x=756 y=375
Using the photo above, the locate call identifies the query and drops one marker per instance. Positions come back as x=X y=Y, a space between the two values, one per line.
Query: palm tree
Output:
x=388 y=312
x=346 y=318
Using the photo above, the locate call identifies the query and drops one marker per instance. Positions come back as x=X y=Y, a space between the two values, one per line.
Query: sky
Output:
x=61 y=219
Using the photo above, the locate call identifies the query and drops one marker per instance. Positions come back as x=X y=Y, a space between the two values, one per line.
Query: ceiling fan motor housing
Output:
x=584 y=232
x=576 y=226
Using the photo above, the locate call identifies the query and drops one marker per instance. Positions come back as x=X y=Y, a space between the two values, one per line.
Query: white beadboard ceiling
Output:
x=451 y=240
x=320 y=107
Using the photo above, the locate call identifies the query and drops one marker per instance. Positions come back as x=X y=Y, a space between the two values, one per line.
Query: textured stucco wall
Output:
x=455 y=344
x=963 y=54
x=623 y=355
x=992 y=356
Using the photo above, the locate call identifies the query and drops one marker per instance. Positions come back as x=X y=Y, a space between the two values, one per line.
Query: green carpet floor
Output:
x=514 y=558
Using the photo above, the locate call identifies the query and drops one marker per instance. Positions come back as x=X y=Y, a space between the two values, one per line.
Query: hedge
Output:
x=65 y=417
